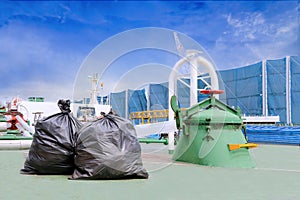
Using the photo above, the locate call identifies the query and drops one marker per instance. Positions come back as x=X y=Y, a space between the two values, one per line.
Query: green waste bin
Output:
x=209 y=128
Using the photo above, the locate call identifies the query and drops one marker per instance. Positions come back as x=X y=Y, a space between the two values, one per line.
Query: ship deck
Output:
x=276 y=176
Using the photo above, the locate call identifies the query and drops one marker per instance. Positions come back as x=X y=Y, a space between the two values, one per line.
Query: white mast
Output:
x=94 y=91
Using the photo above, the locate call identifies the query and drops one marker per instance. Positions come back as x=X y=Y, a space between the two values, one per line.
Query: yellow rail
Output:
x=150 y=115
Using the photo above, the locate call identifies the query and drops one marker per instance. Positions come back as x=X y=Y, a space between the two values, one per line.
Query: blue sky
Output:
x=44 y=44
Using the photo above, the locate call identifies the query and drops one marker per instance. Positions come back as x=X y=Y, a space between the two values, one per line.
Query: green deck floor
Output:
x=277 y=176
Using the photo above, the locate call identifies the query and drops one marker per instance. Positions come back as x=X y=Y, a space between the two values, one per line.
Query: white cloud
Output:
x=253 y=36
x=246 y=26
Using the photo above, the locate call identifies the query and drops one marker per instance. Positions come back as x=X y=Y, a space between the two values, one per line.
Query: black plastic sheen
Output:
x=108 y=148
x=52 y=148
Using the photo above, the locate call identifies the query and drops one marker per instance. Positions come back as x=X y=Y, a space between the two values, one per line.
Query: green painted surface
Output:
x=36 y=99
x=150 y=140
x=10 y=136
x=177 y=112
x=11 y=132
x=2 y=119
x=212 y=102
x=276 y=176
x=209 y=127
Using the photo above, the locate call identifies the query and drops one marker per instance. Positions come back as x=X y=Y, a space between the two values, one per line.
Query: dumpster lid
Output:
x=212 y=115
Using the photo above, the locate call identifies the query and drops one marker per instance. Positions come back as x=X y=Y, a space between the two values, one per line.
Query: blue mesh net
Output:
x=243 y=88
x=118 y=103
x=159 y=96
x=137 y=100
x=295 y=89
x=276 y=84
x=183 y=93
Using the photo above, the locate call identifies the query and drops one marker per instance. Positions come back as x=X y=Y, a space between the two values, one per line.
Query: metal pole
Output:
x=193 y=82
x=264 y=89
x=288 y=90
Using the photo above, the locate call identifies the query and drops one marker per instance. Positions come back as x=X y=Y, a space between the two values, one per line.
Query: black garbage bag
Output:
x=52 y=148
x=108 y=148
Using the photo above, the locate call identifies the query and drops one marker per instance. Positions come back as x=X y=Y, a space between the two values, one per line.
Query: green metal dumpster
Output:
x=212 y=135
